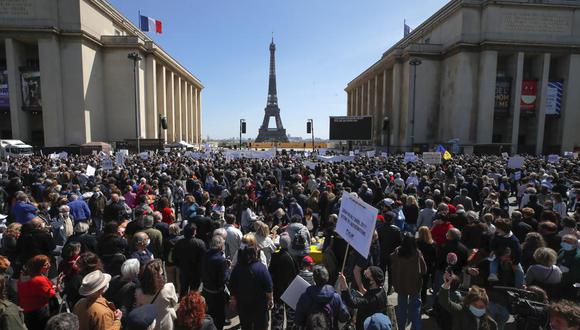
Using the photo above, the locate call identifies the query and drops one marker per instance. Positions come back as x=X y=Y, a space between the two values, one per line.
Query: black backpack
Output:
x=320 y=318
x=299 y=242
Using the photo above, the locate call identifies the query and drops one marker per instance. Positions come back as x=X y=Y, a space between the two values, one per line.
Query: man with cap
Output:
x=94 y=311
x=374 y=299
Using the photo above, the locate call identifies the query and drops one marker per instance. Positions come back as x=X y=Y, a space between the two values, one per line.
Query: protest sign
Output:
x=351 y=153
x=515 y=162
x=310 y=165
x=410 y=157
x=167 y=150
x=553 y=158
x=432 y=158
x=292 y=294
x=124 y=152
x=322 y=151
x=384 y=155
x=120 y=159
x=370 y=153
x=517 y=175
x=53 y=156
x=107 y=164
x=90 y=171
x=63 y=155
x=144 y=155
x=356 y=223
x=505 y=155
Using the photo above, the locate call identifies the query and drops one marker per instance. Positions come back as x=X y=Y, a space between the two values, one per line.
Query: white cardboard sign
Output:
x=410 y=157
x=107 y=164
x=515 y=162
x=292 y=294
x=356 y=223
x=90 y=171
x=433 y=158
x=120 y=159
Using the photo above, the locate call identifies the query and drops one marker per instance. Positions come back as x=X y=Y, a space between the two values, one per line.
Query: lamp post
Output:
x=310 y=129
x=414 y=62
x=387 y=132
x=136 y=58
x=242 y=130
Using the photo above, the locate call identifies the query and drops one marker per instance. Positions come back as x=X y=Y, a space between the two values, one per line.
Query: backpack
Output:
x=298 y=242
x=321 y=317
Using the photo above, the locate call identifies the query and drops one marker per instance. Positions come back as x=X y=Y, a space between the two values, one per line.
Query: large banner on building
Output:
x=4 y=96
x=351 y=128
x=503 y=89
x=31 y=94
x=529 y=96
x=554 y=97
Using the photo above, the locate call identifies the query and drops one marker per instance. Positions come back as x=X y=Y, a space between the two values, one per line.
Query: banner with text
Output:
x=356 y=223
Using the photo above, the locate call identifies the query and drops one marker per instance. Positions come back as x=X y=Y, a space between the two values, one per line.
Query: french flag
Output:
x=150 y=24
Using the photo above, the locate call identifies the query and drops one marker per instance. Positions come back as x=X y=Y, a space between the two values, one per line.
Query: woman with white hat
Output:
x=94 y=311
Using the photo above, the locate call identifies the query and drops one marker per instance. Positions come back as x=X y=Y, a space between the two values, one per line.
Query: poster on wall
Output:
x=503 y=89
x=4 y=96
x=529 y=93
x=31 y=94
x=554 y=97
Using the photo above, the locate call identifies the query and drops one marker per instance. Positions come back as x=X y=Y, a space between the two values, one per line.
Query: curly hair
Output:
x=191 y=311
x=567 y=310
x=151 y=279
x=13 y=230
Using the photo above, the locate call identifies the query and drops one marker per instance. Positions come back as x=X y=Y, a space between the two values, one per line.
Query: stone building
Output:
x=492 y=73
x=65 y=77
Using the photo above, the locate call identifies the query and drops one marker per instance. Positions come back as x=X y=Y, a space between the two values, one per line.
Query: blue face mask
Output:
x=478 y=312
x=567 y=246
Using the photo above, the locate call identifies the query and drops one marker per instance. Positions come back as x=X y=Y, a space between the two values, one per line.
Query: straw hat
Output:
x=93 y=282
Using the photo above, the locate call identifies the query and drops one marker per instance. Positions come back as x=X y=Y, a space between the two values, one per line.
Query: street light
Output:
x=310 y=129
x=242 y=130
x=136 y=58
x=414 y=62
x=387 y=132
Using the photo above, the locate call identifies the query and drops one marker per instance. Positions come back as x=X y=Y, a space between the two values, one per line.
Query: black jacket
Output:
x=373 y=301
x=34 y=242
x=390 y=238
x=283 y=271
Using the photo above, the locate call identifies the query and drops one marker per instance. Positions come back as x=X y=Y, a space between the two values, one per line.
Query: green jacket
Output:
x=11 y=316
x=572 y=261
x=463 y=319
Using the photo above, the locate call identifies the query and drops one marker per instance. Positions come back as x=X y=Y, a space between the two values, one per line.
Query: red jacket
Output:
x=438 y=232
x=34 y=293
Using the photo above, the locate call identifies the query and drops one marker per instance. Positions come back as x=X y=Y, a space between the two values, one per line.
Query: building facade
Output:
x=480 y=72
x=65 y=77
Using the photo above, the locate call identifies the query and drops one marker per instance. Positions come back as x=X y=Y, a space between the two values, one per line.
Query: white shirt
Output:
x=233 y=240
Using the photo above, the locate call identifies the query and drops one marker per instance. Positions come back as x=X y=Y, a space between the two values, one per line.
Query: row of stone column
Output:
x=171 y=96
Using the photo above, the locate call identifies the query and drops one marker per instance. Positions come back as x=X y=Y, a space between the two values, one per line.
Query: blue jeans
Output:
x=518 y=273
x=409 y=309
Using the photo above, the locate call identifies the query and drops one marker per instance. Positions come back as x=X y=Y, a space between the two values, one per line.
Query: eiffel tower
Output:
x=272 y=111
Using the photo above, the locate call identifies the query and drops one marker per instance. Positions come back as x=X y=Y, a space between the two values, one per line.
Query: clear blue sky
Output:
x=321 y=46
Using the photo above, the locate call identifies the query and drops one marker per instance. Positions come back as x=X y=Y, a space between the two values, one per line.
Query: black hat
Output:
x=141 y=317
x=377 y=275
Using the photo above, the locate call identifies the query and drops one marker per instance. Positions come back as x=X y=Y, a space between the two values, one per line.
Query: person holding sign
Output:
x=373 y=301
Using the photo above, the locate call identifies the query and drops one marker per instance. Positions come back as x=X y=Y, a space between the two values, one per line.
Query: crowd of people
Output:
x=175 y=242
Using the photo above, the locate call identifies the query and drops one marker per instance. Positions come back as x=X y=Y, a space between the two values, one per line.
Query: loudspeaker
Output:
x=308 y=127
x=385 y=123
x=164 y=122
x=243 y=127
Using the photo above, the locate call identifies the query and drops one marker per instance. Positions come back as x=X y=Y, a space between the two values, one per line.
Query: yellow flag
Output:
x=447 y=155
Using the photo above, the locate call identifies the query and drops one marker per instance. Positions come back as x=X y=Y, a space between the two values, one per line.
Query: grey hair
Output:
x=157 y=216
x=81 y=227
x=217 y=242
x=130 y=268
x=148 y=221
x=429 y=203
x=64 y=207
x=221 y=232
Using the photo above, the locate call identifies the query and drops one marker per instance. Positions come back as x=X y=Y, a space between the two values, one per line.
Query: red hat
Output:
x=307 y=260
x=380 y=218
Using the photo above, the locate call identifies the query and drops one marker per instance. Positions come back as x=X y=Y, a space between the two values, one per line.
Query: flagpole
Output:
x=139 y=19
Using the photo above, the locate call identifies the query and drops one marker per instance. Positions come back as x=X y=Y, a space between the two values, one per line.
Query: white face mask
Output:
x=147 y=242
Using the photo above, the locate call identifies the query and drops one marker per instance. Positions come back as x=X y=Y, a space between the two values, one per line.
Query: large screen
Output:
x=351 y=128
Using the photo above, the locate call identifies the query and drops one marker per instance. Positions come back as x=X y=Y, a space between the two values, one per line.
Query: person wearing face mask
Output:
x=94 y=311
x=471 y=313
x=140 y=243
x=373 y=301
x=569 y=262
x=564 y=315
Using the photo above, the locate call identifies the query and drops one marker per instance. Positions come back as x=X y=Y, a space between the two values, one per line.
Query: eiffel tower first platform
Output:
x=272 y=111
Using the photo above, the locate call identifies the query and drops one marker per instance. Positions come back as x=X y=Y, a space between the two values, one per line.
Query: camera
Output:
x=527 y=307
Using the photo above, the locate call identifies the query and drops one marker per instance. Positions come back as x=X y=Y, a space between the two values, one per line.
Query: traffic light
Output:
x=164 y=122
x=308 y=127
x=243 y=127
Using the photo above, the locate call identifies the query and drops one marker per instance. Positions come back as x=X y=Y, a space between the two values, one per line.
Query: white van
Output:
x=14 y=148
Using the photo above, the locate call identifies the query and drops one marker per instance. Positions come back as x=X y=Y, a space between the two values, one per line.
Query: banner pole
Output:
x=345 y=257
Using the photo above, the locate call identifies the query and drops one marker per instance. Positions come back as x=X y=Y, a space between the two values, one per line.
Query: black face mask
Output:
x=366 y=282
